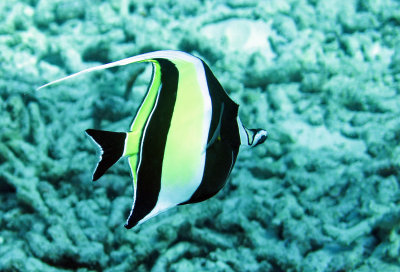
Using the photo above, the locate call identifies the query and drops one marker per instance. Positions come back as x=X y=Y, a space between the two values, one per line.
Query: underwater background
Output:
x=322 y=194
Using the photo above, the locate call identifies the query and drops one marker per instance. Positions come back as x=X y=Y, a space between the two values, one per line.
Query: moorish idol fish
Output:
x=184 y=139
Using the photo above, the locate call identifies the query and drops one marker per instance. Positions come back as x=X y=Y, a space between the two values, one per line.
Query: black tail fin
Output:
x=111 y=145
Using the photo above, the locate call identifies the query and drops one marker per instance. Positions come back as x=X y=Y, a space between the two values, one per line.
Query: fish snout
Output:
x=259 y=136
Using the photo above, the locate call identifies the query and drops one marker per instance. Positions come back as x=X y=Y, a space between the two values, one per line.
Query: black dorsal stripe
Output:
x=222 y=153
x=153 y=145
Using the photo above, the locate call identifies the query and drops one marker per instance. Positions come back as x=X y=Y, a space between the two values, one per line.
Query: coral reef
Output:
x=321 y=195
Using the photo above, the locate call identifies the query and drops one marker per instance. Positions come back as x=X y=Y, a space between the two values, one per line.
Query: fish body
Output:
x=184 y=140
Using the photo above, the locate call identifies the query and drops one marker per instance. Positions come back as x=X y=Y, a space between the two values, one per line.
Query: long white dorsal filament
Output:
x=92 y=69
x=138 y=58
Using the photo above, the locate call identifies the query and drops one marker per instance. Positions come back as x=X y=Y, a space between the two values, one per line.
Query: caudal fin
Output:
x=111 y=145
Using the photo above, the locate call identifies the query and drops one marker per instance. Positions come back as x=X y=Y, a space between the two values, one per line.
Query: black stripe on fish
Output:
x=153 y=145
x=221 y=154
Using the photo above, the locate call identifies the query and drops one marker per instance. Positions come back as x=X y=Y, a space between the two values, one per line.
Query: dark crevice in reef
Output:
x=98 y=52
x=314 y=246
x=70 y=263
x=5 y=187
x=151 y=259
x=275 y=266
x=372 y=243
